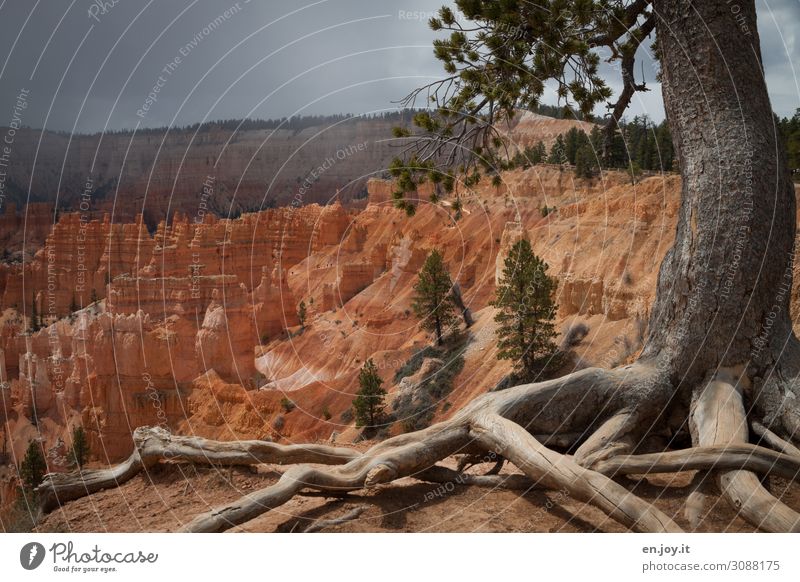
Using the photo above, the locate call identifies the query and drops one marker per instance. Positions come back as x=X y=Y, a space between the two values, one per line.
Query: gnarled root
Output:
x=416 y=453
x=154 y=444
x=719 y=418
x=397 y=457
x=718 y=457
x=612 y=438
x=326 y=523
x=774 y=440
x=558 y=471
x=602 y=412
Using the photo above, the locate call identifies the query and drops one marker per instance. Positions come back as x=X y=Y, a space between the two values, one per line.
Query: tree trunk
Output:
x=719 y=287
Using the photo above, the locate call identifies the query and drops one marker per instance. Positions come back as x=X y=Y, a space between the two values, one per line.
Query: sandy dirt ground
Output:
x=171 y=495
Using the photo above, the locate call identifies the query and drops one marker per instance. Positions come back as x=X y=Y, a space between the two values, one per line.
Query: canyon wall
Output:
x=192 y=323
x=124 y=321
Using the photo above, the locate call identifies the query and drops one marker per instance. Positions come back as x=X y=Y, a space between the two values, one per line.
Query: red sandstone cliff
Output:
x=195 y=325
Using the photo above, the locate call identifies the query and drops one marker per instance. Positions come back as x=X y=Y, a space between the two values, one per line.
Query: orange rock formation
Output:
x=195 y=325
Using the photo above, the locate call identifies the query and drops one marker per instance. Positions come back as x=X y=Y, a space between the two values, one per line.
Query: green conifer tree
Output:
x=539 y=153
x=79 y=450
x=369 y=403
x=557 y=152
x=33 y=468
x=36 y=320
x=526 y=310
x=584 y=162
x=433 y=300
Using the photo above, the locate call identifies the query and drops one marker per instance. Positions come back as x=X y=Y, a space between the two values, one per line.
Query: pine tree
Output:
x=526 y=310
x=301 y=314
x=790 y=131
x=584 y=162
x=33 y=468
x=531 y=155
x=433 y=300
x=557 y=152
x=572 y=143
x=5 y=442
x=369 y=401
x=664 y=152
x=539 y=153
x=79 y=452
x=36 y=321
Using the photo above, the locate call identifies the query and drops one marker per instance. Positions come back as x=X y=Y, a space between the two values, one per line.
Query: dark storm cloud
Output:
x=99 y=64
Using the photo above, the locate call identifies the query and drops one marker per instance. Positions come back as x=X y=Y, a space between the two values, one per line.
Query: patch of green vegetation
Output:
x=287 y=405
x=413 y=364
x=415 y=409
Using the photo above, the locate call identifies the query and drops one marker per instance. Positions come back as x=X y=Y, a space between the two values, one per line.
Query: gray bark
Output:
x=720 y=282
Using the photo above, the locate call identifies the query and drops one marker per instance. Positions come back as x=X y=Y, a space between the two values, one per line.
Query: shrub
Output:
x=574 y=335
x=416 y=408
x=287 y=405
x=546 y=211
x=413 y=364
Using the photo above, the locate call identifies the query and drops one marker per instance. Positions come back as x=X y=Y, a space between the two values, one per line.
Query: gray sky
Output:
x=89 y=70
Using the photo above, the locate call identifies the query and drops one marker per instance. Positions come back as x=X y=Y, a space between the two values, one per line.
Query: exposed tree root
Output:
x=774 y=440
x=515 y=481
x=153 y=444
x=558 y=471
x=601 y=410
x=322 y=524
x=719 y=417
x=696 y=500
x=612 y=438
x=720 y=457
x=397 y=457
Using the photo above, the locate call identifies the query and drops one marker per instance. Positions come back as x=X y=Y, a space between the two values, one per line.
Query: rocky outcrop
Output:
x=273 y=305
x=189 y=300
x=226 y=338
x=380 y=192
x=581 y=296
x=354 y=278
x=24 y=230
